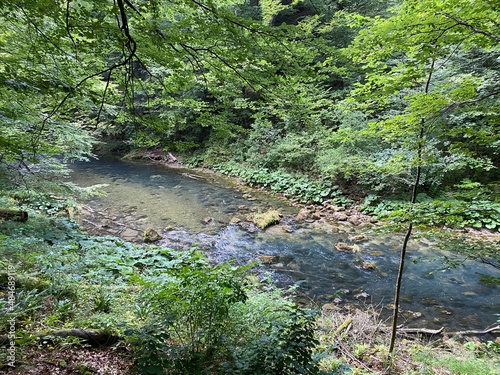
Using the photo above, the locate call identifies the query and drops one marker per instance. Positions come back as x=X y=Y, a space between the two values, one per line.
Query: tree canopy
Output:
x=358 y=95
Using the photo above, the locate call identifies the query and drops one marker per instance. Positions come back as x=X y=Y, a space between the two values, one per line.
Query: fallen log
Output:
x=17 y=215
x=424 y=331
x=93 y=338
x=473 y=332
x=427 y=331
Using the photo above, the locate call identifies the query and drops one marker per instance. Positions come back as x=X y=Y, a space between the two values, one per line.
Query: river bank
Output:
x=91 y=282
x=325 y=211
x=333 y=262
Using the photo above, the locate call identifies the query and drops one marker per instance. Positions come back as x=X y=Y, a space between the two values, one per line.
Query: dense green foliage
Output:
x=312 y=94
x=292 y=185
x=209 y=322
x=430 y=76
x=457 y=209
x=173 y=308
x=318 y=100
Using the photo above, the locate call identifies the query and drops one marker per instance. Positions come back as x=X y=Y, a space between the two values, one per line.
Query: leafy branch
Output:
x=472 y=27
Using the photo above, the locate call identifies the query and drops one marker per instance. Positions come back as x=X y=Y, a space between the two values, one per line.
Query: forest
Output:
x=388 y=109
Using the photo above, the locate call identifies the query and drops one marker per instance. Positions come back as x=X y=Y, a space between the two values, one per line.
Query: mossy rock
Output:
x=265 y=219
x=150 y=235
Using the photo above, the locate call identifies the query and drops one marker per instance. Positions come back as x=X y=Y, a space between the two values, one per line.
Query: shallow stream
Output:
x=189 y=208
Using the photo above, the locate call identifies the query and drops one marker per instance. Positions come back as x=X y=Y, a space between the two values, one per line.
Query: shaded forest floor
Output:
x=352 y=342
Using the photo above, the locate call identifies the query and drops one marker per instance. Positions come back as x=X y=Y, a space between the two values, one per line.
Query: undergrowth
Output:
x=174 y=310
x=469 y=205
x=292 y=185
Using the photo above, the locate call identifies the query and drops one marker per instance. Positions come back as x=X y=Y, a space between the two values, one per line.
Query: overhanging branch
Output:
x=471 y=101
x=472 y=27
x=131 y=47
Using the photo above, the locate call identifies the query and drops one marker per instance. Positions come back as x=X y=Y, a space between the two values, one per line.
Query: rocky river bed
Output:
x=335 y=256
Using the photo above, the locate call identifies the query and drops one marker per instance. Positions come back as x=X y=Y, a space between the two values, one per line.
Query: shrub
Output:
x=207 y=321
x=192 y=311
x=279 y=346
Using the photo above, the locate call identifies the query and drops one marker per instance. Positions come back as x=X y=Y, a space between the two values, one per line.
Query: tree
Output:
x=158 y=72
x=415 y=91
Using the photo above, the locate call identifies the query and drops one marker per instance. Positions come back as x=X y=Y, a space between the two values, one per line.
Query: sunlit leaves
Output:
x=428 y=82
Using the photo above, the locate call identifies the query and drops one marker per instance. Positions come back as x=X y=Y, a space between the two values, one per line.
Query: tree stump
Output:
x=17 y=215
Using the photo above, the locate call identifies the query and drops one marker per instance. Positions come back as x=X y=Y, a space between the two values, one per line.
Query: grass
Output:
x=455 y=357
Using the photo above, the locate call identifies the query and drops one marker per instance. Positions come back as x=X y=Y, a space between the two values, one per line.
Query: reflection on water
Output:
x=187 y=209
x=159 y=197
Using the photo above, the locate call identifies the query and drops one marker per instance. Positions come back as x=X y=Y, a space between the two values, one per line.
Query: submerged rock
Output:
x=339 y=216
x=316 y=215
x=342 y=246
x=362 y=295
x=376 y=253
x=249 y=227
x=268 y=259
x=354 y=220
x=469 y=294
x=411 y=314
x=208 y=220
x=358 y=238
x=370 y=266
x=235 y=220
x=337 y=208
x=129 y=234
x=302 y=215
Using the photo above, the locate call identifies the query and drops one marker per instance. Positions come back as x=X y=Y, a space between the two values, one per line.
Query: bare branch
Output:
x=224 y=61
x=198 y=62
x=41 y=33
x=131 y=44
x=103 y=98
x=133 y=8
x=241 y=25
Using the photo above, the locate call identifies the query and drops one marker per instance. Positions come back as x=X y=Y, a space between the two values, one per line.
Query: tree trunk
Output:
x=420 y=145
x=17 y=215
x=94 y=338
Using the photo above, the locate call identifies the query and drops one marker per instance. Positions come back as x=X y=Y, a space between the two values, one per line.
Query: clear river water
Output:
x=189 y=208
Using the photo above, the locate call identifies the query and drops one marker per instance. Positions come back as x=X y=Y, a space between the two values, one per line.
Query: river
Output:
x=188 y=208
